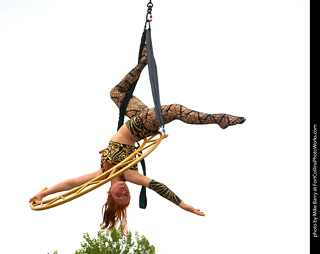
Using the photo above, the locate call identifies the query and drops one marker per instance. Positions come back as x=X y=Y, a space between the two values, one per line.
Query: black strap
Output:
x=128 y=95
x=122 y=111
x=143 y=192
x=153 y=76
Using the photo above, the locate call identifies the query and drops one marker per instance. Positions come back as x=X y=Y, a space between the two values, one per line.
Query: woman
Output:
x=143 y=122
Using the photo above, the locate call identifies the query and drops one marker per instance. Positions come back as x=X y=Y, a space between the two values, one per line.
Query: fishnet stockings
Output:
x=117 y=94
x=178 y=112
x=170 y=112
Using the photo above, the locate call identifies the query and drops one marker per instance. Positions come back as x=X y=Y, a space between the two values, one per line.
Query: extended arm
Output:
x=67 y=185
x=136 y=178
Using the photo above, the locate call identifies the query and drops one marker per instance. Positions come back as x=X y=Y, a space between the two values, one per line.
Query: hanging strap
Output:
x=122 y=111
x=153 y=76
x=143 y=192
x=128 y=95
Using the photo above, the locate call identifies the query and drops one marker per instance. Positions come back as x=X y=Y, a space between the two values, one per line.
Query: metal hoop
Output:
x=149 y=144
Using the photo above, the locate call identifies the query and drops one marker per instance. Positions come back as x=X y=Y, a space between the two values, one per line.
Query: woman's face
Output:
x=120 y=193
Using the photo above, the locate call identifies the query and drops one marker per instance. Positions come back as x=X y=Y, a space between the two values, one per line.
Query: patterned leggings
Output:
x=170 y=112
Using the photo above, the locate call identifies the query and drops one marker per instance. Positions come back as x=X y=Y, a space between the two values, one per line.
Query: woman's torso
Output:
x=124 y=136
x=128 y=134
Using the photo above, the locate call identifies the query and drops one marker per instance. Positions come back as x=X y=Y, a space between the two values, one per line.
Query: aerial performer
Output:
x=142 y=123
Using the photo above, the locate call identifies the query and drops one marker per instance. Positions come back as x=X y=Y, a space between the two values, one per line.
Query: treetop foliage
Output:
x=114 y=242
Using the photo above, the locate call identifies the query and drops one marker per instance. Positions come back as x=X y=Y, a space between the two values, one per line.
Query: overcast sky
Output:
x=58 y=62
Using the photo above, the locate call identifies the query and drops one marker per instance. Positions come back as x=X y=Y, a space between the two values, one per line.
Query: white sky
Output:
x=58 y=62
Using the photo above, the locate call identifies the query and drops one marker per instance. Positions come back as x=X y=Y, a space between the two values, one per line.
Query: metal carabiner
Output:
x=149 y=12
x=150 y=5
x=149 y=17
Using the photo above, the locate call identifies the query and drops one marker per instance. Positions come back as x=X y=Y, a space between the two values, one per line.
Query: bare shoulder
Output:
x=135 y=177
x=131 y=174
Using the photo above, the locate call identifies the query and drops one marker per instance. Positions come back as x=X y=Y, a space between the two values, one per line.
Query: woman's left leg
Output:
x=178 y=112
x=117 y=93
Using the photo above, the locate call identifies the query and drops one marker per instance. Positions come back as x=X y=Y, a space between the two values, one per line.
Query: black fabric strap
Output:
x=143 y=192
x=122 y=112
x=128 y=95
x=153 y=76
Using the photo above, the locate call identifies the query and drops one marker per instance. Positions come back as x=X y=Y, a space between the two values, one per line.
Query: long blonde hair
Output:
x=114 y=214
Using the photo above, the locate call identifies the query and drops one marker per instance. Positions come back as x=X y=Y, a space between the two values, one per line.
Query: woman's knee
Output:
x=116 y=96
x=115 y=93
x=112 y=92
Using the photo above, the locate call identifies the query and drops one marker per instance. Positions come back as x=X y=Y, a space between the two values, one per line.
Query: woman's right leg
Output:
x=178 y=112
x=135 y=106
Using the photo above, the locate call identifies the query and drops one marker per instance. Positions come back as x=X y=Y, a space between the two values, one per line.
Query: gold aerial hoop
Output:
x=149 y=144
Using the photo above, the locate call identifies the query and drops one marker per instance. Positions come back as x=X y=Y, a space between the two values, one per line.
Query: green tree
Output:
x=114 y=242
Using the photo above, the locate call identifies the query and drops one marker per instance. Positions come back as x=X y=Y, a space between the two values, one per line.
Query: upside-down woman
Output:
x=142 y=123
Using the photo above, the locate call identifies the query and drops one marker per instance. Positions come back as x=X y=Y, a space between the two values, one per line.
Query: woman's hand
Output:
x=38 y=197
x=66 y=185
x=191 y=209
